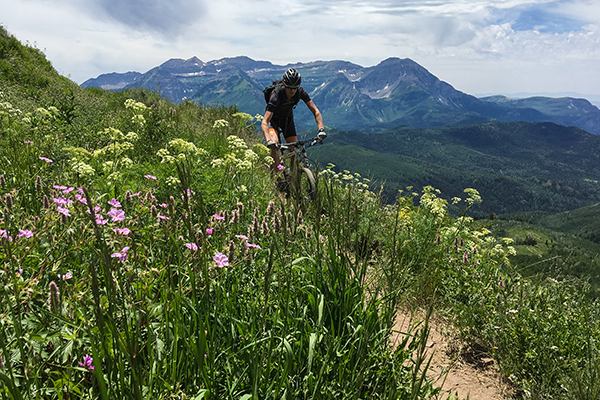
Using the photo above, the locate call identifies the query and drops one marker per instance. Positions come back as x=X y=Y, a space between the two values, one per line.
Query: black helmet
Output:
x=292 y=78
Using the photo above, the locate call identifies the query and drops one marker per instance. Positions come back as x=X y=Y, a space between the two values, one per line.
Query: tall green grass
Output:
x=145 y=265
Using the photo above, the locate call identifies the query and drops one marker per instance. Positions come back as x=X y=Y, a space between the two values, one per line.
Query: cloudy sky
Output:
x=478 y=46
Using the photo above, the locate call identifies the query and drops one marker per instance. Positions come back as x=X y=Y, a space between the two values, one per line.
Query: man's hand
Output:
x=321 y=135
x=271 y=144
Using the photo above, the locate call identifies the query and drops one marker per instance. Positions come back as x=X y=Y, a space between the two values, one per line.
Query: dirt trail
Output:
x=469 y=375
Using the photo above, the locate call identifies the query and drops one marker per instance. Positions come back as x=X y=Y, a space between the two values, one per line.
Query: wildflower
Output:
x=81 y=199
x=64 y=211
x=87 y=362
x=277 y=223
x=163 y=205
x=512 y=312
x=240 y=207
x=46 y=159
x=254 y=246
x=100 y=220
x=9 y=201
x=116 y=215
x=466 y=257
x=45 y=202
x=163 y=217
x=66 y=276
x=114 y=203
x=264 y=227
x=241 y=237
x=218 y=217
x=25 y=232
x=221 y=260
x=192 y=246
x=153 y=210
x=121 y=255
x=280 y=167
x=53 y=298
x=209 y=231
x=38 y=183
x=150 y=177
x=122 y=231
x=19 y=272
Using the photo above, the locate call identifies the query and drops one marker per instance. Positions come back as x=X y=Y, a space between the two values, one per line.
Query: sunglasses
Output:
x=292 y=87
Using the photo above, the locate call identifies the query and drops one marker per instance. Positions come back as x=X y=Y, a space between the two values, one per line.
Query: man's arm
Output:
x=318 y=118
x=265 y=128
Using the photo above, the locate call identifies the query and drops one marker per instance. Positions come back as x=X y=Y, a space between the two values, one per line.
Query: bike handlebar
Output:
x=310 y=142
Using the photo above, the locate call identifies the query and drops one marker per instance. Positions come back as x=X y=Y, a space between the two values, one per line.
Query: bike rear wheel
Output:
x=308 y=187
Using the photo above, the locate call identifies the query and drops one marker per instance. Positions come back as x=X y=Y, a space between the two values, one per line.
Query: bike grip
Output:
x=271 y=144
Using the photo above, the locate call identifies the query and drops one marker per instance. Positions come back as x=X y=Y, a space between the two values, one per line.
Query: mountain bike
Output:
x=298 y=178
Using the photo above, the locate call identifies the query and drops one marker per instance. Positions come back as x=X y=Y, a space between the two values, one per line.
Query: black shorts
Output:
x=285 y=126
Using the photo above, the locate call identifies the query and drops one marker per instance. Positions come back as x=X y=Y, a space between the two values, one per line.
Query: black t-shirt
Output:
x=279 y=104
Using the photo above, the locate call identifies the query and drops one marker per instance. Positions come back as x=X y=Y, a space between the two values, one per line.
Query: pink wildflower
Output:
x=64 y=211
x=87 y=362
x=4 y=235
x=122 y=255
x=150 y=177
x=255 y=246
x=81 y=199
x=66 y=276
x=116 y=215
x=192 y=246
x=25 y=232
x=163 y=217
x=218 y=217
x=62 y=201
x=242 y=237
x=46 y=159
x=221 y=260
x=209 y=231
x=114 y=203
x=122 y=231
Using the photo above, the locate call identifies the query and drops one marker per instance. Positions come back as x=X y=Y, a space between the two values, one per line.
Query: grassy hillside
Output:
x=146 y=254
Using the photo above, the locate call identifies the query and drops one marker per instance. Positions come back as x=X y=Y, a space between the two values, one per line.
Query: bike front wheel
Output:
x=308 y=187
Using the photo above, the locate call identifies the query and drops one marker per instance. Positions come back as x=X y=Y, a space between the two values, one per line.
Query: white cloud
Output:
x=475 y=45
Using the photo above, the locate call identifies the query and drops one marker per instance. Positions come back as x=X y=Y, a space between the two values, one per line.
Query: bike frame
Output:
x=289 y=150
x=295 y=161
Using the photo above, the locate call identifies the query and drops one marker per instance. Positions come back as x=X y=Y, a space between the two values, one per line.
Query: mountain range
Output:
x=396 y=92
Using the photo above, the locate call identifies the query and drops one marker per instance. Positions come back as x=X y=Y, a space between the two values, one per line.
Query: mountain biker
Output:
x=279 y=115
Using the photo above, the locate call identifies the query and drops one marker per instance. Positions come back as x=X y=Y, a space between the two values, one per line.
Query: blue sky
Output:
x=478 y=46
